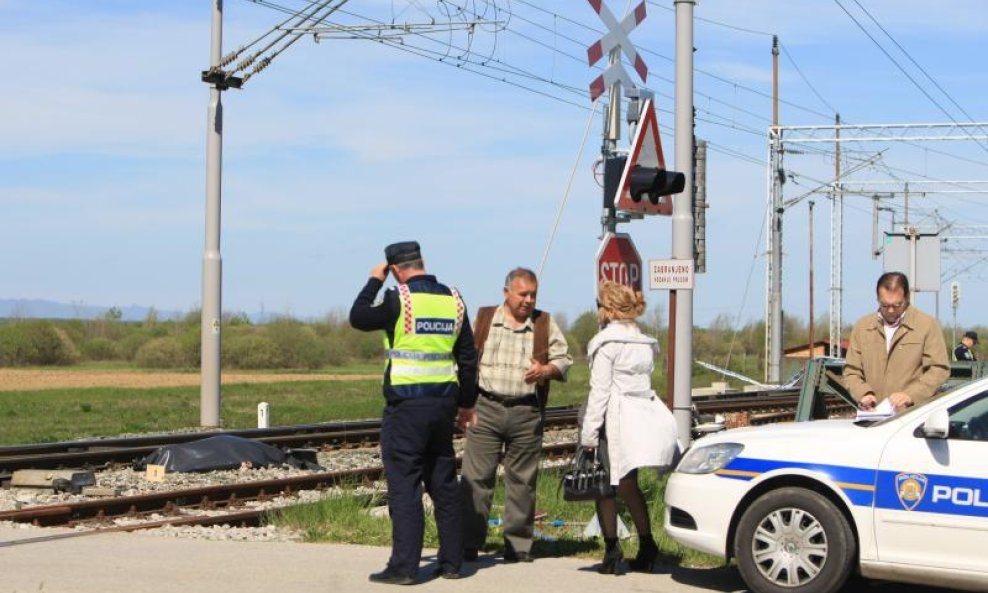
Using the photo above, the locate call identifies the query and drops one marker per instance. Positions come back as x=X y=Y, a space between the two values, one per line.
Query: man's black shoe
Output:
x=445 y=573
x=511 y=557
x=470 y=554
x=389 y=577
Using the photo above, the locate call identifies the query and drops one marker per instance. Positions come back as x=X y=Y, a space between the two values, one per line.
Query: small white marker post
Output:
x=264 y=415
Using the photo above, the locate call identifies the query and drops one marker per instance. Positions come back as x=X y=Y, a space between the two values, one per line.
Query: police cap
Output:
x=972 y=335
x=399 y=253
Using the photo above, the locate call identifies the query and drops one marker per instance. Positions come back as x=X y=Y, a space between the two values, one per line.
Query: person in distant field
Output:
x=521 y=350
x=898 y=353
x=964 y=352
x=431 y=371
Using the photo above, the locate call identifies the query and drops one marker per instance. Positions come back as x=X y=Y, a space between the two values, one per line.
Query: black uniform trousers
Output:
x=417 y=449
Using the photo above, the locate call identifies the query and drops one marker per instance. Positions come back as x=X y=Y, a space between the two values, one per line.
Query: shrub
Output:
x=251 y=352
x=101 y=349
x=36 y=343
x=337 y=351
x=366 y=345
x=581 y=331
x=298 y=343
x=127 y=348
x=161 y=353
x=191 y=342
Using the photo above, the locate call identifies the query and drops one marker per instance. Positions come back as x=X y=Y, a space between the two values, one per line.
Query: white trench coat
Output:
x=641 y=431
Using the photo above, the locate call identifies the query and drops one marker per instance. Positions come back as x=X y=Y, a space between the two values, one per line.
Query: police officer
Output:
x=429 y=383
x=964 y=352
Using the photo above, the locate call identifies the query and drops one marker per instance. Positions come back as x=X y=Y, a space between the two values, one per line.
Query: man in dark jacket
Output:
x=431 y=372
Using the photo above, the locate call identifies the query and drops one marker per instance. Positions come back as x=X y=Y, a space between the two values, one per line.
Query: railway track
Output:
x=230 y=503
x=126 y=450
x=777 y=407
x=221 y=504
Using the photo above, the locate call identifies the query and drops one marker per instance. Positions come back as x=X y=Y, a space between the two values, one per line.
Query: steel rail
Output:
x=330 y=435
x=207 y=497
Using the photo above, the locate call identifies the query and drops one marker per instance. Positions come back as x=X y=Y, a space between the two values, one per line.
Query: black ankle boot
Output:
x=647 y=554
x=612 y=558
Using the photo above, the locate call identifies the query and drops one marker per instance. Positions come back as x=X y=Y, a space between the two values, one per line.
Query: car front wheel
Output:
x=794 y=540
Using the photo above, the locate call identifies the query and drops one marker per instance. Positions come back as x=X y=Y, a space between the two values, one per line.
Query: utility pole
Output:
x=905 y=208
x=285 y=34
x=212 y=261
x=836 y=250
x=682 y=219
x=812 y=322
x=612 y=133
x=773 y=276
x=955 y=300
x=875 y=208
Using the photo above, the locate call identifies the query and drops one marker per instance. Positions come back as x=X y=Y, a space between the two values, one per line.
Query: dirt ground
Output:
x=35 y=379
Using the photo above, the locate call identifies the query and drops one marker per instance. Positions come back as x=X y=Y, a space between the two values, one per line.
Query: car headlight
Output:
x=704 y=460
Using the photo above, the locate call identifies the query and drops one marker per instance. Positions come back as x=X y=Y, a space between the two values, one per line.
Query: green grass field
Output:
x=64 y=414
x=346 y=519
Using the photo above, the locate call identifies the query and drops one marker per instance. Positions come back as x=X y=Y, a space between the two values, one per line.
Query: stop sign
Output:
x=618 y=261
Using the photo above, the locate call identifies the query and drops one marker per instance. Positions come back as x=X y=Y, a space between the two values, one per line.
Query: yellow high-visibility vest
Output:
x=425 y=332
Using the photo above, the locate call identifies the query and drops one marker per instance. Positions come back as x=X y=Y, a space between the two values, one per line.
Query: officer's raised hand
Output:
x=380 y=271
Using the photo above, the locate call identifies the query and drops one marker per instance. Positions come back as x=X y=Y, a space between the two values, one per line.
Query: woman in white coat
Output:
x=625 y=420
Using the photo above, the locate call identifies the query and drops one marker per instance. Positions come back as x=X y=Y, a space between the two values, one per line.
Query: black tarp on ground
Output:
x=218 y=453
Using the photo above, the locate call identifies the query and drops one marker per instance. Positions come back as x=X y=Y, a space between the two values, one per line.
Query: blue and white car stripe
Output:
x=923 y=493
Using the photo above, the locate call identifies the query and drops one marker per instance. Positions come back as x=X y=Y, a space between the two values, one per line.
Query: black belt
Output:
x=529 y=399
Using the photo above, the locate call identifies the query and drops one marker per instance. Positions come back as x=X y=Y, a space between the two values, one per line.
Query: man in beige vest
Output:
x=520 y=350
x=898 y=353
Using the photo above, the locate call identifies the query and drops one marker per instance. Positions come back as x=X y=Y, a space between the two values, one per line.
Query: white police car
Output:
x=803 y=505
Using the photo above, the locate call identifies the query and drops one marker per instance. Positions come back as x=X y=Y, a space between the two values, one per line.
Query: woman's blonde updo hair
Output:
x=619 y=301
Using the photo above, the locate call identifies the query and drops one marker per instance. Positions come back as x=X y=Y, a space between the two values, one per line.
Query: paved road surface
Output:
x=45 y=561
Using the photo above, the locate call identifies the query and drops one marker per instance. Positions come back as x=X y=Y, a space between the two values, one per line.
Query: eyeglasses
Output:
x=892 y=306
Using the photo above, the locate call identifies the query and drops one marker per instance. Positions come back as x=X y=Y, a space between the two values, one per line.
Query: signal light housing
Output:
x=654 y=183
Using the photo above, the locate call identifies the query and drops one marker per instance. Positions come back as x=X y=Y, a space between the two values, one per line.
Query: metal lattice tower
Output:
x=839 y=134
x=836 y=269
x=773 y=271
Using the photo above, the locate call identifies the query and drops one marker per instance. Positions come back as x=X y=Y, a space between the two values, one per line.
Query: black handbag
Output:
x=587 y=479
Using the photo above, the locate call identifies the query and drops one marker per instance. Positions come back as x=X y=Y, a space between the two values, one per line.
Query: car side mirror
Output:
x=937 y=425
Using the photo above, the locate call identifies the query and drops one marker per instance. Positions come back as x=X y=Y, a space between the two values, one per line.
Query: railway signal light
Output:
x=653 y=183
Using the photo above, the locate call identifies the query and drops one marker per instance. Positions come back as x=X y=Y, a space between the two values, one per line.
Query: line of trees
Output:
x=282 y=343
x=287 y=343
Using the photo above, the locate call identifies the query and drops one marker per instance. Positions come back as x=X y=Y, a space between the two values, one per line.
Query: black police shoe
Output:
x=390 y=577
x=445 y=573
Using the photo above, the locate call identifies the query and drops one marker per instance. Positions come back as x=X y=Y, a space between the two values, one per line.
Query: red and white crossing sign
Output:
x=616 y=36
x=646 y=151
x=618 y=261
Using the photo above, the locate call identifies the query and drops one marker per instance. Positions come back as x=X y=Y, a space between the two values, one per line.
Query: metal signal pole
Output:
x=212 y=261
x=612 y=133
x=681 y=301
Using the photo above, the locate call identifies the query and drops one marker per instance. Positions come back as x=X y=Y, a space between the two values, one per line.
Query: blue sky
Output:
x=343 y=146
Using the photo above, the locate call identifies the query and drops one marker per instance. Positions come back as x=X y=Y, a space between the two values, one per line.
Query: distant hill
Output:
x=42 y=309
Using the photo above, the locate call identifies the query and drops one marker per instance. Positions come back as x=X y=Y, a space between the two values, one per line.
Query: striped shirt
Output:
x=508 y=355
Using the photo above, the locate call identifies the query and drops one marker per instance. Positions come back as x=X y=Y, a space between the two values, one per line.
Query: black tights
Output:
x=631 y=494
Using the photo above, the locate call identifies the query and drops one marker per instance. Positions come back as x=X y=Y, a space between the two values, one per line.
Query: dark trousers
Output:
x=517 y=432
x=417 y=449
